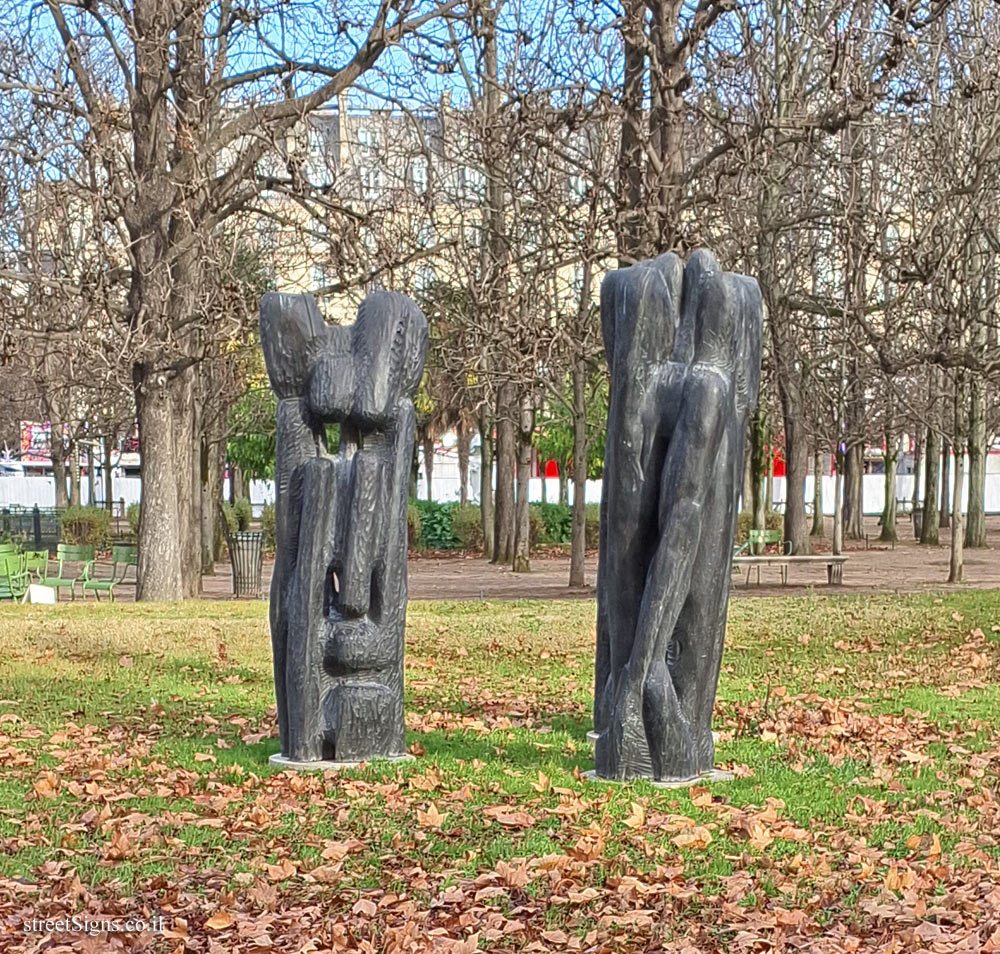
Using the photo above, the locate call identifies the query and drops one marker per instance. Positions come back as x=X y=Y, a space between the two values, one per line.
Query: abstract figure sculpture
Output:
x=338 y=596
x=683 y=344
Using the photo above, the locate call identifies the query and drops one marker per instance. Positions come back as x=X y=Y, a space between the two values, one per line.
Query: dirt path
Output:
x=877 y=569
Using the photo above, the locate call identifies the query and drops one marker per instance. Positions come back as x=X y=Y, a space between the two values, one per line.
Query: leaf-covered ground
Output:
x=865 y=815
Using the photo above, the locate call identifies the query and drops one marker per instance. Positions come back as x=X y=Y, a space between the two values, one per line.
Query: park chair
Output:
x=767 y=538
x=68 y=553
x=122 y=557
x=37 y=562
x=13 y=576
x=9 y=548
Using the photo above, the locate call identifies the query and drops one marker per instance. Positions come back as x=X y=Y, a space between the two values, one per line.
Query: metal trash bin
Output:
x=918 y=523
x=246 y=553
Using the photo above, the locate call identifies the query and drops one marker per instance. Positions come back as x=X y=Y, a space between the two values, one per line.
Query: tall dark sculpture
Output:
x=338 y=596
x=683 y=344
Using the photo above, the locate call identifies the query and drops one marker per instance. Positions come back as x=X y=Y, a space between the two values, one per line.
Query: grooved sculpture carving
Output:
x=338 y=596
x=683 y=344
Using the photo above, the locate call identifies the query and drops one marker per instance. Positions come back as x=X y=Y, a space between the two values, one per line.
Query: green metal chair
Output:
x=9 y=548
x=36 y=562
x=768 y=538
x=122 y=557
x=69 y=553
x=14 y=577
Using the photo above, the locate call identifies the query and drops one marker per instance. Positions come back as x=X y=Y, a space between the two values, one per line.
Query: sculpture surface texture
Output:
x=338 y=595
x=683 y=344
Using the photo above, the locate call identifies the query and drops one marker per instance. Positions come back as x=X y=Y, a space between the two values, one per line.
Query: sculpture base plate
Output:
x=706 y=778
x=328 y=765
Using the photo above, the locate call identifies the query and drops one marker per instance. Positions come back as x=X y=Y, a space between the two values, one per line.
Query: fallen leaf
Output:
x=219 y=921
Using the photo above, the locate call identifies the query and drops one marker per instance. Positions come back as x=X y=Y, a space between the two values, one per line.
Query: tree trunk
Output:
x=888 y=534
x=817 y=525
x=414 y=469
x=545 y=489
x=918 y=457
x=975 y=521
x=746 y=490
x=464 y=440
x=854 y=470
x=759 y=466
x=187 y=446
x=235 y=483
x=73 y=461
x=578 y=536
x=486 y=481
x=109 y=486
x=796 y=464
x=159 y=569
x=630 y=228
x=58 y=455
x=929 y=533
x=838 y=505
x=520 y=562
x=944 y=521
x=563 y=483
x=427 y=443
x=503 y=514
x=91 y=482
x=957 y=527
x=212 y=463
x=769 y=483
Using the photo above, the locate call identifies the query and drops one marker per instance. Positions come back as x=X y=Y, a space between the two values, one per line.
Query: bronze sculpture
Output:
x=683 y=345
x=338 y=595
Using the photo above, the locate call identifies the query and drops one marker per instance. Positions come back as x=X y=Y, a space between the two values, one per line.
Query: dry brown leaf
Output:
x=697 y=837
x=219 y=921
x=431 y=818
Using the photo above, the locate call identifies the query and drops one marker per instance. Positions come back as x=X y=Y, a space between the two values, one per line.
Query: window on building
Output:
x=368 y=139
x=321 y=275
x=475 y=183
x=424 y=279
x=371 y=183
x=577 y=186
x=418 y=175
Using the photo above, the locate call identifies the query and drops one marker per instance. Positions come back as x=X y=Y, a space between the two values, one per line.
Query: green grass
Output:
x=134 y=745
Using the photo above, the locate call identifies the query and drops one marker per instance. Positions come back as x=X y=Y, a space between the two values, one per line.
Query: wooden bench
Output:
x=834 y=565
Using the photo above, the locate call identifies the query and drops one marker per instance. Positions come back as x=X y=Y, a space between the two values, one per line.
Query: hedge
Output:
x=449 y=526
x=772 y=521
x=86 y=526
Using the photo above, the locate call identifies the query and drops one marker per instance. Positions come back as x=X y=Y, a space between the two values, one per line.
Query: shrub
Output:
x=536 y=527
x=267 y=527
x=229 y=515
x=557 y=522
x=436 y=531
x=86 y=526
x=243 y=512
x=412 y=526
x=772 y=521
x=592 y=530
x=132 y=514
x=467 y=525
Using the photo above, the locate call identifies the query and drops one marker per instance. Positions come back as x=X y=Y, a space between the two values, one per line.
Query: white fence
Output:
x=446 y=488
x=41 y=491
x=29 y=491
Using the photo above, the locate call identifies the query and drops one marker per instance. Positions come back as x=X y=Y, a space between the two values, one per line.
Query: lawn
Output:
x=865 y=814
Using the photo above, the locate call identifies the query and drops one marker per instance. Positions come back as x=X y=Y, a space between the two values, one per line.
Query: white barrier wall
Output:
x=873 y=492
x=29 y=491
